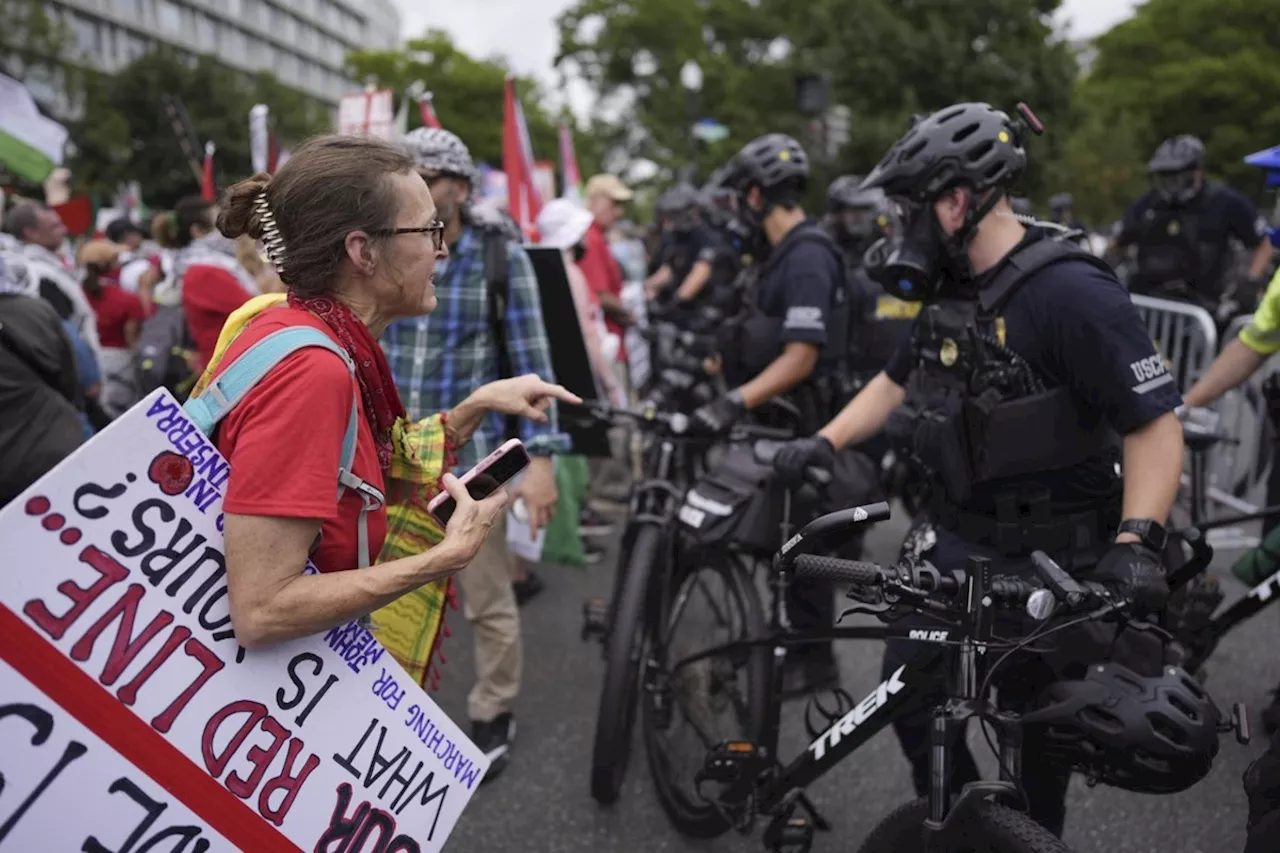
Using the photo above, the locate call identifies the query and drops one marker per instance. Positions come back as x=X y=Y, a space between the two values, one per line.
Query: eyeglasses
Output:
x=435 y=229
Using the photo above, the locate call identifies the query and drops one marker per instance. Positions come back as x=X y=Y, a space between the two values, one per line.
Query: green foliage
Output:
x=886 y=59
x=124 y=133
x=468 y=96
x=1206 y=67
x=30 y=38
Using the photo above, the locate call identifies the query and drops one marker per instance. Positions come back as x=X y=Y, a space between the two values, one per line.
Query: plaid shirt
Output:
x=440 y=359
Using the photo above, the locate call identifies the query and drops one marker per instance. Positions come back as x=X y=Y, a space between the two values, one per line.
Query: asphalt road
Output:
x=542 y=803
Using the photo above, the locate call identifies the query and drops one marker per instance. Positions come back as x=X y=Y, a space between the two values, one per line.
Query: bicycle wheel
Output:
x=718 y=698
x=987 y=828
x=624 y=653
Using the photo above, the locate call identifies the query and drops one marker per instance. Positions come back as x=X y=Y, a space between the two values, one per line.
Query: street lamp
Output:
x=691 y=80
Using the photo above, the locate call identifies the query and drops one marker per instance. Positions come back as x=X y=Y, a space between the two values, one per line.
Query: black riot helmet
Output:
x=776 y=165
x=1175 y=169
x=1061 y=207
x=969 y=145
x=681 y=205
x=1152 y=734
x=857 y=215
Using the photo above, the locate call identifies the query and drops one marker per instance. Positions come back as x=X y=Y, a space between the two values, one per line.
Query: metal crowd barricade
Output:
x=1238 y=473
x=1185 y=335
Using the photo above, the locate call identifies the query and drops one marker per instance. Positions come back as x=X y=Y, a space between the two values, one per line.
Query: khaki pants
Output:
x=489 y=604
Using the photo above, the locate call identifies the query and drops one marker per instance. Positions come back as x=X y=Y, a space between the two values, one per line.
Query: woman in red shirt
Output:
x=210 y=280
x=119 y=315
x=352 y=232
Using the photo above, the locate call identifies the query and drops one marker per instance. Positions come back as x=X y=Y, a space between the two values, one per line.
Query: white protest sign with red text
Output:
x=132 y=722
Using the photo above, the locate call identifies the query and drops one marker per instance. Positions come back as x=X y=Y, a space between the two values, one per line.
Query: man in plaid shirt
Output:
x=440 y=359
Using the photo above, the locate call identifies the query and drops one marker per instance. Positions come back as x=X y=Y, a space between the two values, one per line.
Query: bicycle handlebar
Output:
x=1008 y=591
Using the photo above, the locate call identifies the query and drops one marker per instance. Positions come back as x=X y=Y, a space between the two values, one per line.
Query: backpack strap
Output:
x=227 y=391
x=1028 y=261
x=497 y=286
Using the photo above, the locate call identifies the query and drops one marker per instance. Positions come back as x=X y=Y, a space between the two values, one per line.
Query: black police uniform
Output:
x=801 y=296
x=1076 y=328
x=701 y=243
x=1189 y=244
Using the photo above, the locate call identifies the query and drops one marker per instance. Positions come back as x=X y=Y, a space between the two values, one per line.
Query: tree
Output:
x=30 y=38
x=125 y=134
x=1205 y=67
x=467 y=95
x=886 y=59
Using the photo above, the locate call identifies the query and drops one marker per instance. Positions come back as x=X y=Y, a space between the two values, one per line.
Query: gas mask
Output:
x=1174 y=189
x=857 y=227
x=908 y=262
x=917 y=259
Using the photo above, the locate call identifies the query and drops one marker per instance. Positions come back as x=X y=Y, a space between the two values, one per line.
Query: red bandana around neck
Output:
x=381 y=400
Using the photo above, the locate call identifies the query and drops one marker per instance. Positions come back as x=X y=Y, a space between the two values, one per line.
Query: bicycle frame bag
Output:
x=734 y=505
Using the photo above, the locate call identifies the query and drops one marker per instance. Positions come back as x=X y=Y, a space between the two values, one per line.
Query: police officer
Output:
x=856 y=218
x=1062 y=211
x=696 y=264
x=792 y=344
x=1002 y=301
x=1182 y=229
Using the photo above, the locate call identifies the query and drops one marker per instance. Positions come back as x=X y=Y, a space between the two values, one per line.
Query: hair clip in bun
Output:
x=270 y=232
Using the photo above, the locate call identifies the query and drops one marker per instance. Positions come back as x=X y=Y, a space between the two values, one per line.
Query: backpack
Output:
x=222 y=394
x=166 y=353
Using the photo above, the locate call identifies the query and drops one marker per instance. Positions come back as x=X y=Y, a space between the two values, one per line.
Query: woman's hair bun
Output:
x=237 y=216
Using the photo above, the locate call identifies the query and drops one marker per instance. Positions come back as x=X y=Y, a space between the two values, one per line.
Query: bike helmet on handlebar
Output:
x=1150 y=734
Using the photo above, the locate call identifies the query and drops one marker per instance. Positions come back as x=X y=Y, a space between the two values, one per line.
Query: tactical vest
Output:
x=879 y=323
x=1171 y=252
x=754 y=339
x=998 y=420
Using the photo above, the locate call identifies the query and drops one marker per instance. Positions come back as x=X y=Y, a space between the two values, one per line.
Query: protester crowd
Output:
x=431 y=298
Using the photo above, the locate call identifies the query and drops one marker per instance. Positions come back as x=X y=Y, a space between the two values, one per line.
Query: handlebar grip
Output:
x=836 y=570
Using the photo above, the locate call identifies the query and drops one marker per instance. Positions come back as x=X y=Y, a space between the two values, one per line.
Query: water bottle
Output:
x=1258 y=564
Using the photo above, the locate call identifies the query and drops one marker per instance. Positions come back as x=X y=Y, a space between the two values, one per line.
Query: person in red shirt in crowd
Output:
x=212 y=283
x=606 y=197
x=352 y=232
x=119 y=317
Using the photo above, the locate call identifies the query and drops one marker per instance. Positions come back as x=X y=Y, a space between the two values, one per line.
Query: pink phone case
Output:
x=480 y=467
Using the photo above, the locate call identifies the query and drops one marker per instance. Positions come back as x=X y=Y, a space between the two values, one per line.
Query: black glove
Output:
x=794 y=456
x=716 y=418
x=1136 y=569
x=1262 y=787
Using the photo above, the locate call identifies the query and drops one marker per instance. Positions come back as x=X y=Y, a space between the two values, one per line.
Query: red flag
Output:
x=273 y=153
x=208 y=189
x=523 y=202
x=428 y=112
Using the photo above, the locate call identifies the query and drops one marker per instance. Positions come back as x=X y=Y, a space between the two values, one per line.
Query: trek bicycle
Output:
x=745 y=778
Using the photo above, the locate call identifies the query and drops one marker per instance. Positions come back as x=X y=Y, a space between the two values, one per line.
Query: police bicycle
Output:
x=647 y=559
x=1193 y=617
x=744 y=779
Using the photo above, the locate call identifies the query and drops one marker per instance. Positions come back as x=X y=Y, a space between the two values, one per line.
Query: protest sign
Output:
x=130 y=715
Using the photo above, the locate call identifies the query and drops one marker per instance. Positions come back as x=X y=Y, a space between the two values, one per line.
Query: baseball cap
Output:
x=101 y=252
x=610 y=185
x=562 y=223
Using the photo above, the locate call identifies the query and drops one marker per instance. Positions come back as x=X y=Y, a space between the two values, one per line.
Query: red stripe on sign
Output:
x=75 y=691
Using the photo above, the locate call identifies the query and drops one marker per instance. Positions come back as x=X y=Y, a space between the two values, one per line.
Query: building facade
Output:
x=303 y=42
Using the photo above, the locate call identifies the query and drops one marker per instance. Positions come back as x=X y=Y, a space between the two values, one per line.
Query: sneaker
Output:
x=804 y=677
x=592 y=523
x=527 y=588
x=592 y=553
x=494 y=739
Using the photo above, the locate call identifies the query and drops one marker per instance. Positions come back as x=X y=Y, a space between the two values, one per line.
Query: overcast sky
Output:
x=524 y=30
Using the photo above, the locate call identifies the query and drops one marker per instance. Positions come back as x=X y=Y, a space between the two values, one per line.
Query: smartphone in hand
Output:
x=490 y=474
